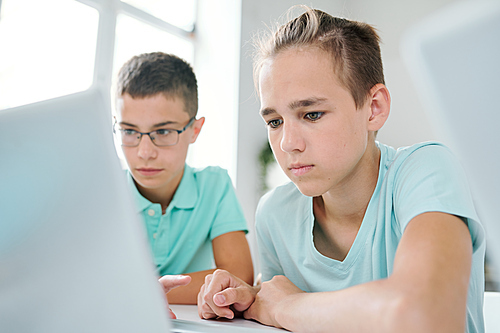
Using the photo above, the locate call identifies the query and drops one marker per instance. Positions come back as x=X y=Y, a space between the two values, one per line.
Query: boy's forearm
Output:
x=188 y=294
x=232 y=253
x=371 y=307
x=365 y=308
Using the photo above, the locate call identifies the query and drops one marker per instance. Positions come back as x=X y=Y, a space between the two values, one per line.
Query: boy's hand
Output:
x=222 y=290
x=170 y=282
x=268 y=298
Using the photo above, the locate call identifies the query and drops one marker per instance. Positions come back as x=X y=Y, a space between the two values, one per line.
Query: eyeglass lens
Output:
x=159 y=138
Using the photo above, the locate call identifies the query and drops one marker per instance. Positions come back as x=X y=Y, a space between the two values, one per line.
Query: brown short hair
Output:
x=149 y=74
x=354 y=47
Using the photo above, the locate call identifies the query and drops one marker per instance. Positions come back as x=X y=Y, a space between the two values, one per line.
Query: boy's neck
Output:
x=348 y=203
x=340 y=212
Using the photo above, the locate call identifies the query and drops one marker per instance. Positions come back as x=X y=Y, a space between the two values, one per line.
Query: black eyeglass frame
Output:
x=179 y=132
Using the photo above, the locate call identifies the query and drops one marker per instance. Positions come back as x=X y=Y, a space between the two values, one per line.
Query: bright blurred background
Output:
x=52 y=48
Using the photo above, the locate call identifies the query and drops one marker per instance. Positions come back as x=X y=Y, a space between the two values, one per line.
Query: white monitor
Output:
x=73 y=252
x=454 y=58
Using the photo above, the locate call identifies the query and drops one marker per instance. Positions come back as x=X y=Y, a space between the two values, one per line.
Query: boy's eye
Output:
x=314 y=115
x=163 y=132
x=275 y=123
x=129 y=132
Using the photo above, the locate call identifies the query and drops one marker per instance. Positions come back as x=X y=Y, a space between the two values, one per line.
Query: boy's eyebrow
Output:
x=306 y=103
x=154 y=126
x=165 y=123
x=126 y=124
x=303 y=103
x=267 y=111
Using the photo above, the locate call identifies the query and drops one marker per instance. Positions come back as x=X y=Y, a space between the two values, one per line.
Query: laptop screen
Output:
x=73 y=254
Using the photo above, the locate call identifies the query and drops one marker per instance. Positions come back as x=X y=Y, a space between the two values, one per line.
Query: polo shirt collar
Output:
x=185 y=196
x=142 y=203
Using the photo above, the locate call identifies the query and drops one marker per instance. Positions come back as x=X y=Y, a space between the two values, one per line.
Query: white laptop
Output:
x=73 y=253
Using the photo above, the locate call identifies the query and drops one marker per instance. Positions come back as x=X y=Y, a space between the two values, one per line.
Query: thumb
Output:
x=241 y=298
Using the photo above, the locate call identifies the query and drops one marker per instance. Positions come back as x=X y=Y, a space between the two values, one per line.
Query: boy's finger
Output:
x=170 y=282
x=240 y=298
x=208 y=279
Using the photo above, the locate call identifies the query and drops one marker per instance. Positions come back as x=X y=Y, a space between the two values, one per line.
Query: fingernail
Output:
x=220 y=299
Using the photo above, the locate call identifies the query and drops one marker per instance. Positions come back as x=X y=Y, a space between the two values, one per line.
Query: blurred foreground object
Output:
x=454 y=59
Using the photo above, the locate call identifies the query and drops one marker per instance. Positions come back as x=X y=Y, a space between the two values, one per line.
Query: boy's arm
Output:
x=427 y=291
x=188 y=294
x=231 y=253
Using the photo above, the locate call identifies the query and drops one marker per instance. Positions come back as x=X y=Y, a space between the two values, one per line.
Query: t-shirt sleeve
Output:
x=268 y=258
x=229 y=216
x=432 y=179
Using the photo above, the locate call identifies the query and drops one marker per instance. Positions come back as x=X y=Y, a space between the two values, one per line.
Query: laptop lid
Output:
x=73 y=254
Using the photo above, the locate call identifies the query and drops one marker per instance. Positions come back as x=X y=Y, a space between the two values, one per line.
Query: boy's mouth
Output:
x=148 y=171
x=300 y=170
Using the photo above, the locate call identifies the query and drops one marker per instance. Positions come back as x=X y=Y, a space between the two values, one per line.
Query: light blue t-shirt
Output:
x=412 y=180
x=203 y=207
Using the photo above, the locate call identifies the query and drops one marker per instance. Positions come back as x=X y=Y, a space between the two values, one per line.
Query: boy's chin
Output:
x=309 y=188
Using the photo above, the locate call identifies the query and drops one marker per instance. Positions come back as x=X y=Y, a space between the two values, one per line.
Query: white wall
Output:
x=216 y=66
x=407 y=123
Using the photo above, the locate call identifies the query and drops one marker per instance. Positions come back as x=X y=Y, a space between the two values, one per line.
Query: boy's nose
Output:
x=291 y=139
x=146 y=148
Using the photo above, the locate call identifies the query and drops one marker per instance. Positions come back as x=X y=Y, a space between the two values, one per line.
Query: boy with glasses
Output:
x=192 y=216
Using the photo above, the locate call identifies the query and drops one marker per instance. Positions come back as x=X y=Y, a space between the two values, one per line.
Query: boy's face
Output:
x=155 y=169
x=318 y=136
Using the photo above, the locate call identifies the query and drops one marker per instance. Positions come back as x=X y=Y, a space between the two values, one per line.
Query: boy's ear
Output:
x=197 y=125
x=380 y=106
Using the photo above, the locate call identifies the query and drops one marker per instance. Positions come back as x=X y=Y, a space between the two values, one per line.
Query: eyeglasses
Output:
x=161 y=138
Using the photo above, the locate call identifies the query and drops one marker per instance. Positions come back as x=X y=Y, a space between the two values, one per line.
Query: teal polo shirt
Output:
x=203 y=207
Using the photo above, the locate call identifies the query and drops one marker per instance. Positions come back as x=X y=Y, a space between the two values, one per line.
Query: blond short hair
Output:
x=353 y=46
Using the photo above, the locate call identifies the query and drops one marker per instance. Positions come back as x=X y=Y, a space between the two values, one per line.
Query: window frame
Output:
x=106 y=34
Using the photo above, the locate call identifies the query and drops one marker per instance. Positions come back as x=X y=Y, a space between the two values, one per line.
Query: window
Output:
x=130 y=41
x=53 y=48
x=45 y=54
x=178 y=13
x=49 y=47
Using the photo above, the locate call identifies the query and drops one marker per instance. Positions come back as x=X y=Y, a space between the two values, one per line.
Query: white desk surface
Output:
x=190 y=312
